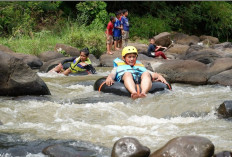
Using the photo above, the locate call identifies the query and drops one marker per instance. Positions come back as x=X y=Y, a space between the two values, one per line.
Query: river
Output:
x=75 y=111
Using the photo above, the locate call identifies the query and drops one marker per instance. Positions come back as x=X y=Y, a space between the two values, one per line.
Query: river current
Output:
x=75 y=111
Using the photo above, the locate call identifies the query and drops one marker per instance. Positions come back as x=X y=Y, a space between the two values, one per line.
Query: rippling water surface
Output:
x=75 y=111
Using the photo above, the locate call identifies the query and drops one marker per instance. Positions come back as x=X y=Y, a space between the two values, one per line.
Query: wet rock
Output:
x=129 y=147
x=32 y=61
x=193 y=48
x=1 y=123
x=186 y=146
x=223 y=154
x=211 y=39
x=203 y=56
x=222 y=46
x=182 y=71
x=225 y=109
x=219 y=65
x=223 y=78
x=94 y=60
x=141 y=48
x=50 y=55
x=68 y=150
x=14 y=145
x=17 y=78
x=5 y=49
x=178 y=49
x=52 y=63
x=163 y=39
x=193 y=114
x=72 y=51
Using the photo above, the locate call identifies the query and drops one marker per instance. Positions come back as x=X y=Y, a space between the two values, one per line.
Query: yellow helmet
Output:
x=129 y=49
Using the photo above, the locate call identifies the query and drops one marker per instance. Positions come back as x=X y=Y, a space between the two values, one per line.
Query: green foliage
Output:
x=92 y=13
x=147 y=26
x=81 y=37
x=21 y=18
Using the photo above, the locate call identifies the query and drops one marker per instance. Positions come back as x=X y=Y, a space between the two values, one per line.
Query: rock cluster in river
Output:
x=17 y=78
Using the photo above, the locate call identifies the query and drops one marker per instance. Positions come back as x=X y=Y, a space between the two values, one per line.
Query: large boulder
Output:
x=203 y=56
x=50 y=55
x=210 y=39
x=94 y=60
x=18 y=79
x=182 y=71
x=142 y=48
x=183 y=39
x=223 y=78
x=219 y=65
x=223 y=45
x=186 y=146
x=163 y=39
x=32 y=61
x=72 y=51
x=5 y=49
x=225 y=109
x=129 y=147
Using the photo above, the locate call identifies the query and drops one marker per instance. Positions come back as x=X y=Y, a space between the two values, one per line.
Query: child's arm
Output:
x=111 y=77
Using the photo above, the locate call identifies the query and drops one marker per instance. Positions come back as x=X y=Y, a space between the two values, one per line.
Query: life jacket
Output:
x=136 y=70
x=76 y=67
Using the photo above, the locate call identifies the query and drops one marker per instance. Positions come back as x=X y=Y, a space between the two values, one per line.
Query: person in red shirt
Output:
x=109 y=35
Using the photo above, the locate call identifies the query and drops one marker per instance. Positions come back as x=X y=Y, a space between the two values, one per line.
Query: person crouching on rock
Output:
x=130 y=71
x=79 y=64
x=154 y=51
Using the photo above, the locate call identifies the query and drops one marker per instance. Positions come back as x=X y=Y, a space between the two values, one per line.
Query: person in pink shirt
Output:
x=109 y=35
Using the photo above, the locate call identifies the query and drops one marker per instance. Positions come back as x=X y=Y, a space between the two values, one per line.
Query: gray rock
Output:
x=18 y=79
x=183 y=39
x=182 y=71
x=50 y=55
x=5 y=49
x=72 y=51
x=32 y=61
x=129 y=147
x=186 y=146
x=225 y=109
x=223 y=78
x=219 y=65
x=211 y=39
x=223 y=154
x=163 y=39
x=223 y=45
x=67 y=150
x=178 y=49
x=1 y=123
x=94 y=60
x=203 y=56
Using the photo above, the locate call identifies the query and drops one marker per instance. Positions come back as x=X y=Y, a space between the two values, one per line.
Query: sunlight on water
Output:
x=76 y=111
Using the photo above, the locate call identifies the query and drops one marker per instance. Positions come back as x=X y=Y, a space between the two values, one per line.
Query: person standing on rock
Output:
x=109 y=35
x=153 y=50
x=125 y=26
x=117 y=32
x=130 y=71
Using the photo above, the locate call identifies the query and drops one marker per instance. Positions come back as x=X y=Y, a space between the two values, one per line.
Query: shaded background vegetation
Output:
x=36 y=26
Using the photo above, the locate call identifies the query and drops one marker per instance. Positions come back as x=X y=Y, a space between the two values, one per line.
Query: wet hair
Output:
x=86 y=51
x=124 y=10
x=112 y=18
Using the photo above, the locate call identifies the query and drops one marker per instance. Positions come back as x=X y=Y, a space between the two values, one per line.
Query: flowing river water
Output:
x=75 y=111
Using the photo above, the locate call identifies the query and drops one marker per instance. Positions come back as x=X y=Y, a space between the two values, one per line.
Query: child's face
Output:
x=130 y=58
x=126 y=13
x=83 y=57
x=152 y=41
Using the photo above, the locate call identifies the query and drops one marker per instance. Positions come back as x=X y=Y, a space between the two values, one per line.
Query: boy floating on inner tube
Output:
x=79 y=64
x=130 y=71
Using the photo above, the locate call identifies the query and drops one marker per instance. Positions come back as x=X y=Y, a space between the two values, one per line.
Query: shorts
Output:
x=110 y=41
x=136 y=80
x=117 y=38
x=125 y=35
